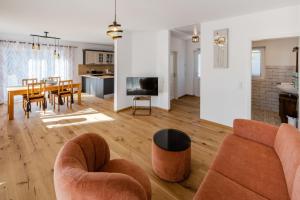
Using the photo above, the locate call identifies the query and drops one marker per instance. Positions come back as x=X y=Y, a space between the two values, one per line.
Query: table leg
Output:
x=79 y=96
x=7 y=102
x=10 y=106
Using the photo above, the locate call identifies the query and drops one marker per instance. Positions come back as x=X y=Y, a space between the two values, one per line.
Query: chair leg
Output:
x=58 y=105
x=44 y=109
x=53 y=103
x=68 y=101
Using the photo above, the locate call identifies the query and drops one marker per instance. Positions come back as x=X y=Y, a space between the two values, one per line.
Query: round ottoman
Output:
x=171 y=155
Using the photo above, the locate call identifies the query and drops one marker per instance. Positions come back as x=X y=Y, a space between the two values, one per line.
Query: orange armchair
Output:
x=83 y=170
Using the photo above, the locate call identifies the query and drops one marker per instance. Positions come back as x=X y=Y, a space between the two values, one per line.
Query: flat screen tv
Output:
x=142 y=86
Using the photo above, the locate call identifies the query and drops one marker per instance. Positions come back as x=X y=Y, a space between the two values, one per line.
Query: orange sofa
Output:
x=258 y=162
x=83 y=171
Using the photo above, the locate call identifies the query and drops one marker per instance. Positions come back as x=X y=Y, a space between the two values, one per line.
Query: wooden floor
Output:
x=28 y=147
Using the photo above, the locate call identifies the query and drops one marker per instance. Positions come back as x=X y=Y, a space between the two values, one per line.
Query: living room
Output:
x=95 y=117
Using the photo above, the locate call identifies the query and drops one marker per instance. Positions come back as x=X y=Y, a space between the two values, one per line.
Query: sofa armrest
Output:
x=256 y=131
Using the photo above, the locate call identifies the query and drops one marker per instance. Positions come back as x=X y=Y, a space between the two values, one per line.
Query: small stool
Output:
x=171 y=155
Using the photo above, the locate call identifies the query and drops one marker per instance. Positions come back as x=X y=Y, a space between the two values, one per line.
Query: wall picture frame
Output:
x=221 y=48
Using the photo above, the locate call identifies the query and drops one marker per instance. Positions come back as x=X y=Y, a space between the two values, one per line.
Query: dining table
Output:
x=22 y=90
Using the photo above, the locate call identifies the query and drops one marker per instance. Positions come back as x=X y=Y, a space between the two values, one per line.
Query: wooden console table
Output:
x=141 y=98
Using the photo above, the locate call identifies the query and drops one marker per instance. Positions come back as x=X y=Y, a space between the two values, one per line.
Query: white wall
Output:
x=226 y=93
x=142 y=54
x=78 y=51
x=123 y=65
x=278 y=52
x=179 y=45
x=190 y=60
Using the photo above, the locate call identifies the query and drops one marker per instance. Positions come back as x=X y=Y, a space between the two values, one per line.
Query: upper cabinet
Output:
x=98 y=57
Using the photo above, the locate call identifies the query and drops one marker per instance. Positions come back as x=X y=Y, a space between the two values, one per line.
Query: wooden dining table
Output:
x=22 y=90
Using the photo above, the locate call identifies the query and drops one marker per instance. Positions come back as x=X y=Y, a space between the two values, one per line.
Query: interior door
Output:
x=197 y=67
x=173 y=76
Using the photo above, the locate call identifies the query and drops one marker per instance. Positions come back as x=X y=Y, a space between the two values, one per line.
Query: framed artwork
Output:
x=221 y=48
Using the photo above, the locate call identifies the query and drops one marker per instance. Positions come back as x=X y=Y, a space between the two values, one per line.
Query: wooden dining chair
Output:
x=54 y=78
x=25 y=82
x=64 y=94
x=35 y=93
x=51 y=93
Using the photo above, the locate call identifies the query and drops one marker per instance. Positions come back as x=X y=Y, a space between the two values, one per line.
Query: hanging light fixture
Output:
x=58 y=50
x=37 y=45
x=115 y=30
x=33 y=45
x=195 y=37
x=54 y=47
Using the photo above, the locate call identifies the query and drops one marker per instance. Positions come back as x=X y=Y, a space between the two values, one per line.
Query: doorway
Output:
x=275 y=80
x=197 y=73
x=173 y=75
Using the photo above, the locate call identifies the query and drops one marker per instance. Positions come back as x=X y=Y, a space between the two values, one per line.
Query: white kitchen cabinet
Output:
x=97 y=57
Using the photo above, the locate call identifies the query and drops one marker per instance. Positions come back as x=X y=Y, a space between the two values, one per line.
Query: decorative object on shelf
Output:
x=221 y=48
x=37 y=45
x=115 y=30
x=195 y=37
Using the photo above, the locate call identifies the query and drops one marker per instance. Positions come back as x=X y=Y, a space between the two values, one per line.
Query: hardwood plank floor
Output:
x=28 y=147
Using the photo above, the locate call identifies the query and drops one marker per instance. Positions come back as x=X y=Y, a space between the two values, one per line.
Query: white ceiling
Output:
x=185 y=32
x=86 y=21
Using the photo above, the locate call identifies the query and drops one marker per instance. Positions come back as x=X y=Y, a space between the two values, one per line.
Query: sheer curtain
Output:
x=19 y=61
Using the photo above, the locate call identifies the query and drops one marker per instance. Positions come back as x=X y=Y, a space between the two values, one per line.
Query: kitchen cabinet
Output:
x=287 y=106
x=98 y=57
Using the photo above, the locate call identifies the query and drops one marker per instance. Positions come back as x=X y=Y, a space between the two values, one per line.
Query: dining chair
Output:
x=51 y=93
x=25 y=82
x=35 y=93
x=54 y=78
x=64 y=94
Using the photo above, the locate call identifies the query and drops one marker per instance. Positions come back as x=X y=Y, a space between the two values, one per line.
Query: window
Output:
x=258 y=61
x=199 y=65
x=19 y=61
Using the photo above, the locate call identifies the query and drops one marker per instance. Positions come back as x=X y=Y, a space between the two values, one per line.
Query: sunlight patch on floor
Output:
x=86 y=116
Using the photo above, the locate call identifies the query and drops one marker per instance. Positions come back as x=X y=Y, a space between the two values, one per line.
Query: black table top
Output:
x=172 y=140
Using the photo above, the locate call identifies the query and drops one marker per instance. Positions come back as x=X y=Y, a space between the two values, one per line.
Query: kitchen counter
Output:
x=98 y=76
x=98 y=86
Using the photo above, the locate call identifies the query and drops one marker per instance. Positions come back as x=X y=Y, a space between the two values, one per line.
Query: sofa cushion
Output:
x=217 y=187
x=252 y=165
x=287 y=146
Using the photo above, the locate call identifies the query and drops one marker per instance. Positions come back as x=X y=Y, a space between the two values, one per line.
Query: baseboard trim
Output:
x=163 y=109
x=129 y=107
x=123 y=109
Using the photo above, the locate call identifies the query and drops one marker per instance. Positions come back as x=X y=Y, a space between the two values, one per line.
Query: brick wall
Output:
x=265 y=95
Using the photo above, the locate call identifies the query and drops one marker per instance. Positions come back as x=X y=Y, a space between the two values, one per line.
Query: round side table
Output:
x=171 y=155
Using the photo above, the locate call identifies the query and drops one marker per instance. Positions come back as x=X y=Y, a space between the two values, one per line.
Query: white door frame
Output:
x=248 y=97
x=195 y=70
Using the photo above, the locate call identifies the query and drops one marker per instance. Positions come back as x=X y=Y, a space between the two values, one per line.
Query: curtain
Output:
x=19 y=61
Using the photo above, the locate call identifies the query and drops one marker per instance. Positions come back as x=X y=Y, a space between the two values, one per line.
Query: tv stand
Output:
x=141 y=98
